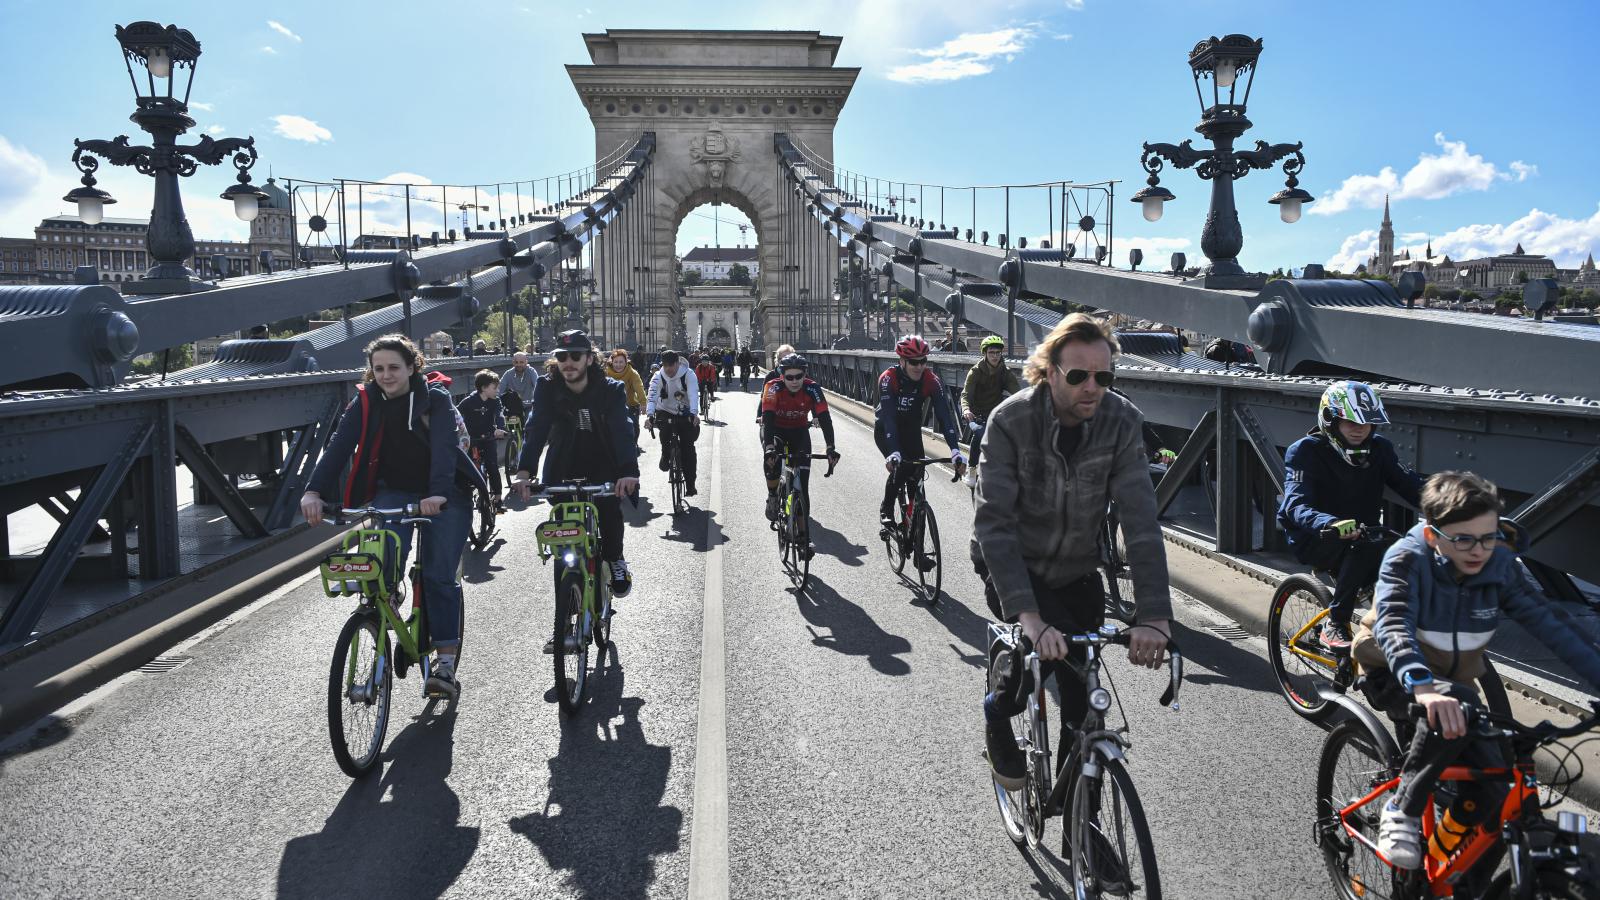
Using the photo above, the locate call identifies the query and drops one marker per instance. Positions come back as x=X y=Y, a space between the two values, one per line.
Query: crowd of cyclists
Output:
x=1048 y=452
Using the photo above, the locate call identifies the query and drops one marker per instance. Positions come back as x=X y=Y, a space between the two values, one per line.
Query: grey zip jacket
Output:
x=1039 y=513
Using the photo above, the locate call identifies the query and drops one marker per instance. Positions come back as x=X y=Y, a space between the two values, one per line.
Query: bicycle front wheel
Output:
x=359 y=684
x=484 y=516
x=1304 y=667
x=675 y=476
x=897 y=537
x=929 y=562
x=795 y=523
x=1352 y=765
x=1107 y=840
x=571 y=650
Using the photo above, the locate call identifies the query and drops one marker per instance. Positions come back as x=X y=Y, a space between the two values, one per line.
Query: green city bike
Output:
x=571 y=537
x=385 y=635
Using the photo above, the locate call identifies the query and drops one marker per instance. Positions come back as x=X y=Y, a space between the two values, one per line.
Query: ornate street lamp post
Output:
x=1223 y=61
x=632 y=338
x=163 y=53
x=805 y=320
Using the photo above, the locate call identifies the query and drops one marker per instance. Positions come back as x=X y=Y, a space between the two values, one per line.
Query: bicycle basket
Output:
x=368 y=563
x=561 y=534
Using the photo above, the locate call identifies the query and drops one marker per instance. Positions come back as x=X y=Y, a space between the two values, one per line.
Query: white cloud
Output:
x=21 y=174
x=964 y=56
x=267 y=49
x=282 y=29
x=1566 y=241
x=203 y=107
x=1074 y=4
x=300 y=128
x=216 y=130
x=1154 y=245
x=1436 y=175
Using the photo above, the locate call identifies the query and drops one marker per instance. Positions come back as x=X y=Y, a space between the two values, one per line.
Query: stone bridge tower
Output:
x=714 y=100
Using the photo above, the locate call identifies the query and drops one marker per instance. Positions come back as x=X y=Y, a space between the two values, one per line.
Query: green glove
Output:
x=1346 y=528
x=1166 y=456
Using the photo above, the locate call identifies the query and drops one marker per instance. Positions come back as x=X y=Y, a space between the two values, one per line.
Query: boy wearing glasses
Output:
x=1439 y=598
x=902 y=393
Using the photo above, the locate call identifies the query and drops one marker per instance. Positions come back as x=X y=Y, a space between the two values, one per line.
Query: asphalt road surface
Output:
x=852 y=748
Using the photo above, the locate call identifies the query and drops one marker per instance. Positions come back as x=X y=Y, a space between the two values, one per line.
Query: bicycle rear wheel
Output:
x=1107 y=840
x=1352 y=764
x=359 y=687
x=925 y=541
x=896 y=540
x=1119 y=576
x=484 y=515
x=1299 y=660
x=571 y=651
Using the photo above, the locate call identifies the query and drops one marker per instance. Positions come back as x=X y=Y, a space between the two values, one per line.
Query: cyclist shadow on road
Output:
x=835 y=545
x=642 y=514
x=1226 y=663
x=851 y=630
x=370 y=847
x=602 y=820
x=691 y=528
x=477 y=565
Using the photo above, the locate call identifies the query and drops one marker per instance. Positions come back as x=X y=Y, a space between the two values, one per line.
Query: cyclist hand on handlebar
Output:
x=1047 y=640
x=1348 y=529
x=432 y=505
x=626 y=486
x=891 y=461
x=1146 y=642
x=959 y=462
x=311 y=507
x=1444 y=712
x=522 y=484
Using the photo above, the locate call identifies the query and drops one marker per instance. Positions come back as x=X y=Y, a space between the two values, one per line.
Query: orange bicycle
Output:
x=1360 y=765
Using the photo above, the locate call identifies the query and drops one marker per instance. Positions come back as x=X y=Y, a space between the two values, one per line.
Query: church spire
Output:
x=1386 y=210
x=1385 y=241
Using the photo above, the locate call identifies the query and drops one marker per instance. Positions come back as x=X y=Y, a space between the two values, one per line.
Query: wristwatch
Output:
x=1411 y=680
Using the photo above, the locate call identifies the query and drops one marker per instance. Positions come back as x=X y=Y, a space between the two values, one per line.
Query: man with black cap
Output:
x=583 y=416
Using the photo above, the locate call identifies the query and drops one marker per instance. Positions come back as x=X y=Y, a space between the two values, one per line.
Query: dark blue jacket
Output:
x=900 y=410
x=553 y=422
x=483 y=417
x=1320 y=488
x=1427 y=621
x=358 y=441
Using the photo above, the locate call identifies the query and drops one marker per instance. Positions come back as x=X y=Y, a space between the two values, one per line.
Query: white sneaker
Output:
x=971 y=480
x=1400 y=838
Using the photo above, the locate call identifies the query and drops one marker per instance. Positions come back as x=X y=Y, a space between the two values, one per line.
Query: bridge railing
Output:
x=1231 y=429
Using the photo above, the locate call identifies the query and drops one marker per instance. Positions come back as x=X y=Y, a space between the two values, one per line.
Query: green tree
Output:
x=179 y=357
x=689 y=277
x=494 y=333
x=739 y=274
x=1430 y=292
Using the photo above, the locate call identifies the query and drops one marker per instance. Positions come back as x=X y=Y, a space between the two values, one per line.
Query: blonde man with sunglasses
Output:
x=1054 y=454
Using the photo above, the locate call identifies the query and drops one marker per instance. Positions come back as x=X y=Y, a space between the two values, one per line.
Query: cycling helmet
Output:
x=793 y=361
x=912 y=347
x=993 y=340
x=1352 y=401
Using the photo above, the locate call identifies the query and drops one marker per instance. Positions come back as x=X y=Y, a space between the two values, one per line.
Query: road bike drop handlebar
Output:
x=1169 y=697
x=928 y=461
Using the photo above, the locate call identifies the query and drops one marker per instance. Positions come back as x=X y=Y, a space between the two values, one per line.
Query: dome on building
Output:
x=277 y=197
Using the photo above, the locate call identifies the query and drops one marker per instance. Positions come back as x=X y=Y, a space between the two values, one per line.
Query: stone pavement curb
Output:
x=36 y=683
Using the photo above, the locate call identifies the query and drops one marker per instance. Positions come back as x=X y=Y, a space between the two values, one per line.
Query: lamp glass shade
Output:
x=245 y=206
x=1225 y=72
x=92 y=210
x=1152 y=208
x=159 y=63
x=1289 y=210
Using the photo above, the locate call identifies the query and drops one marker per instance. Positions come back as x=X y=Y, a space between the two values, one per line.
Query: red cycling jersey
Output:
x=705 y=372
x=791 y=409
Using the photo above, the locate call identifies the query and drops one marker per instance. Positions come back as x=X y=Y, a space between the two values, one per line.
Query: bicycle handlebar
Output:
x=1169 y=697
x=928 y=461
x=410 y=513
x=567 y=489
x=1371 y=533
x=1492 y=724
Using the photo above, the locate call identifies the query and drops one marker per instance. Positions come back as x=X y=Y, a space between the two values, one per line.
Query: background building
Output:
x=716 y=263
x=17 y=261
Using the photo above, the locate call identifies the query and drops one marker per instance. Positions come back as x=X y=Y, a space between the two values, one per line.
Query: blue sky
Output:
x=1478 y=117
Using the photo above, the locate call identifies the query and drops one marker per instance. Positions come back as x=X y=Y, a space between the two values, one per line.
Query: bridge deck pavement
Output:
x=853 y=739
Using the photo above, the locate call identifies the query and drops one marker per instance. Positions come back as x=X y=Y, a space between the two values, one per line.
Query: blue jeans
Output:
x=441 y=551
x=976 y=448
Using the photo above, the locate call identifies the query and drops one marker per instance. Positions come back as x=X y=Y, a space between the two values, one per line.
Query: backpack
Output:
x=463 y=437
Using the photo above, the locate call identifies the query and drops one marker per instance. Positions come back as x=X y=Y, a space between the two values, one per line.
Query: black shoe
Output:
x=665 y=463
x=1107 y=866
x=621 y=578
x=808 y=551
x=1336 y=636
x=925 y=563
x=688 y=490
x=1009 y=766
x=772 y=507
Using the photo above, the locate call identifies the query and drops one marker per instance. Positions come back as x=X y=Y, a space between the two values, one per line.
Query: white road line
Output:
x=708 y=837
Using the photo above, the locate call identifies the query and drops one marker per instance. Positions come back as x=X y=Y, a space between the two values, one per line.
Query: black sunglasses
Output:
x=562 y=356
x=917 y=362
x=800 y=377
x=1079 y=376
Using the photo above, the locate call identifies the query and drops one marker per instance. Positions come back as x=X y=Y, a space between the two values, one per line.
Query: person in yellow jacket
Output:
x=618 y=369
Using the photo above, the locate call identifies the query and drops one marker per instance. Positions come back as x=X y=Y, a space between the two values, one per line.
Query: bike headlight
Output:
x=569 y=558
x=1100 y=699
